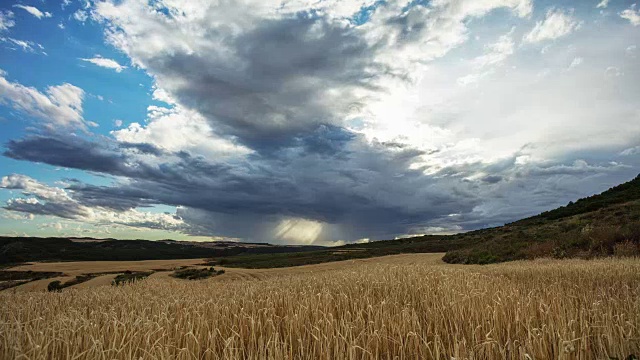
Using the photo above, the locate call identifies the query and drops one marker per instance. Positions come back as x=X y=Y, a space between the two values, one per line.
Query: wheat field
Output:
x=413 y=307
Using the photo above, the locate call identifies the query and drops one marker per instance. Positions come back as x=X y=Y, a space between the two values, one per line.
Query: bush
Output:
x=626 y=249
x=55 y=285
x=129 y=276
x=196 y=274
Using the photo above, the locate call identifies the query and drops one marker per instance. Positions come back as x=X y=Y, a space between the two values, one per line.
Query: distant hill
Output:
x=622 y=193
x=600 y=225
x=23 y=249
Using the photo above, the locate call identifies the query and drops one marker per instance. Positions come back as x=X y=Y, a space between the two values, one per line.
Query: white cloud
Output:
x=59 y=106
x=603 y=4
x=33 y=11
x=24 y=45
x=178 y=129
x=61 y=26
x=81 y=15
x=632 y=14
x=105 y=63
x=631 y=151
x=612 y=71
x=117 y=123
x=6 y=20
x=557 y=23
x=497 y=52
x=576 y=62
x=53 y=201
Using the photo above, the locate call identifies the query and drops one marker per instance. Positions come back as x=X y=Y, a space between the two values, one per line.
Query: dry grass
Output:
x=545 y=309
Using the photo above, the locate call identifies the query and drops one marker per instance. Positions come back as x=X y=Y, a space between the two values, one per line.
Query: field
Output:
x=405 y=307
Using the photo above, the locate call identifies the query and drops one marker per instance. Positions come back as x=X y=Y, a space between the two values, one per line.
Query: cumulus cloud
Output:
x=178 y=129
x=632 y=14
x=603 y=4
x=281 y=72
x=105 y=63
x=557 y=23
x=58 y=106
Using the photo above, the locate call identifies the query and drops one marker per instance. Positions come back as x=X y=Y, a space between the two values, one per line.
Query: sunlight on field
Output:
x=404 y=307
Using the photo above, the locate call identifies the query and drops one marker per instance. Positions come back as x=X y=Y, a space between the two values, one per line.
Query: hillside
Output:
x=21 y=249
x=599 y=225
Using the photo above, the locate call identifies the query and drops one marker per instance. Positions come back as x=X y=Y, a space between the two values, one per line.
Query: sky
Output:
x=310 y=122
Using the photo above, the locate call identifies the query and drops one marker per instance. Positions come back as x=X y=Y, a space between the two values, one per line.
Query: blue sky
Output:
x=310 y=123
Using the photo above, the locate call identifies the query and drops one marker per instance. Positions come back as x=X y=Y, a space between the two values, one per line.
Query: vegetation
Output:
x=601 y=225
x=623 y=193
x=9 y=279
x=57 y=285
x=613 y=230
x=423 y=244
x=15 y=250
x=196 y=274
x=542 y=309
x=130 y=276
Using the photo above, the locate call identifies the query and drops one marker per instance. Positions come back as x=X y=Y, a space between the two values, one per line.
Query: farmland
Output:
x=403 y=306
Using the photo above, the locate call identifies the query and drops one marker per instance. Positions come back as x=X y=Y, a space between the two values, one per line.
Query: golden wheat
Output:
x=544 y=309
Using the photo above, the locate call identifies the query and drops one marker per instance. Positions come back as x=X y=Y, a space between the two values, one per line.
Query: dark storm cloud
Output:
x=364 y=187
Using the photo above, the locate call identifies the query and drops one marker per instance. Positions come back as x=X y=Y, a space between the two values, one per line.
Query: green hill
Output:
x=599 y=225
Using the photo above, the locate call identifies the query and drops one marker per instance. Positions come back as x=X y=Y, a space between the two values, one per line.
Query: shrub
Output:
x=196 y=274
x=55 y=285
x=129 y=276
x=626 y=249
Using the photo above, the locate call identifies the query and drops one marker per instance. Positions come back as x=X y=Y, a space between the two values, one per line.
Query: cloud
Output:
x=631 y=14
x=24 y=45
x=81 y=15
x=576 y=62
x=497 y=52
x=177 y=129
x=281 y=71
x=33 y=11
x=603 y=4
x=105 y=63
x=6 y=20
x=59 y=107
x=557 y=23
x=42 y=199
x=303 y=123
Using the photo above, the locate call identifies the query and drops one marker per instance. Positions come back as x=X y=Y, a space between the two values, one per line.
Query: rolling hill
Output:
x=600 y=225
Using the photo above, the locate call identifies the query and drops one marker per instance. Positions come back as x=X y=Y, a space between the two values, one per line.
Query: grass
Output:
x=543 y=309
